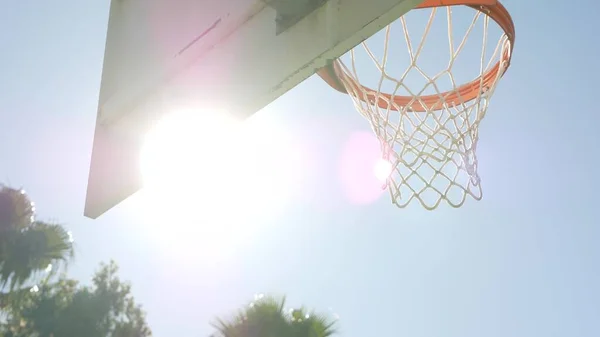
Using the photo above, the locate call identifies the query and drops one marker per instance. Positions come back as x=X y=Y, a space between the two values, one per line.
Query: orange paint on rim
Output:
x=466 y=92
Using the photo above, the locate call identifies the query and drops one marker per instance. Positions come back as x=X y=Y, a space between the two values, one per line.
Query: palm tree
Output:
x=27 y=246
x=16 y=210
x=267 y=317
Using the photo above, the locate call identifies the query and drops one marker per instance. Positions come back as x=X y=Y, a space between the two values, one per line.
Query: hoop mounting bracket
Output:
x=289 y=12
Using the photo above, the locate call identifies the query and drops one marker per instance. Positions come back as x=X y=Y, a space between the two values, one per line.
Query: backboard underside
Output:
x=230 y=55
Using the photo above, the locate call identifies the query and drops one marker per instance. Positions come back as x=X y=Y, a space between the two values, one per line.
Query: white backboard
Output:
x=230 y=55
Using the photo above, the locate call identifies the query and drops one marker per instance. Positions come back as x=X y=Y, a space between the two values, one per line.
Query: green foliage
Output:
x=16 y=210
x=65 y=308
x=267 y=317
x=27 y=247
x=26 y=252
x=55 y=308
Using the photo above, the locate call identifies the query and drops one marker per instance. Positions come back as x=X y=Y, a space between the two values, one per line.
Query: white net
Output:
x=425 y=117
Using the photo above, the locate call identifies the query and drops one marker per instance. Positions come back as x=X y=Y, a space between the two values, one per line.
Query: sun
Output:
x=211 y=175
x=189 y=148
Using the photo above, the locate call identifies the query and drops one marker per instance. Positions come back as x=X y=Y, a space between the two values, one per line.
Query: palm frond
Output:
x=266 y=317
x=27 y=252
x=16 y=210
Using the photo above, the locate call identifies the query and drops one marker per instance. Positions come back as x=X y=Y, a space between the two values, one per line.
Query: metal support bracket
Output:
x=289 y=12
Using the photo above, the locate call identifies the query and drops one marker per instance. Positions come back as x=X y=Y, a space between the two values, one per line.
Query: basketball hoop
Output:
x=428 y=133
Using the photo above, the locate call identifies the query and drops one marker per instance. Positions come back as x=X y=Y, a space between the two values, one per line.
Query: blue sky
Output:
x=521 y=262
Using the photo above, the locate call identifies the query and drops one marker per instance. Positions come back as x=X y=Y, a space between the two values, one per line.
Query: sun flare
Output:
x=188 y=149
x=212 y=173
x=382 y=170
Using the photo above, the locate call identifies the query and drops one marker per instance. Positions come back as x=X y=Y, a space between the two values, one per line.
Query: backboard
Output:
x=234 y=55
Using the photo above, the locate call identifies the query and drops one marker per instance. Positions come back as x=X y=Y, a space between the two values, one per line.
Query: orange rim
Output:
x=467 y=92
